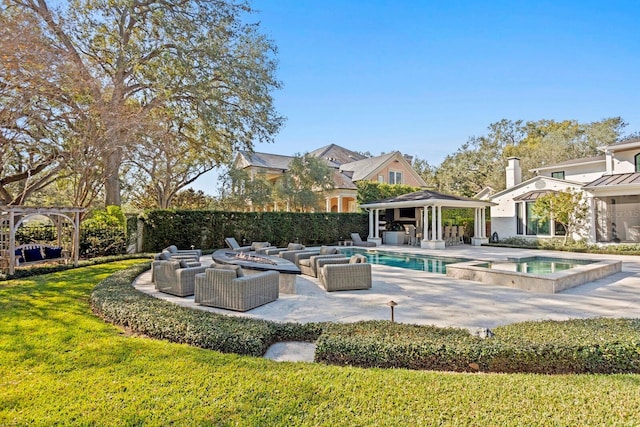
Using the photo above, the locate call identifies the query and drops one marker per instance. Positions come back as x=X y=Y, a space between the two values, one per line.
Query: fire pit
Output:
x=255 y=263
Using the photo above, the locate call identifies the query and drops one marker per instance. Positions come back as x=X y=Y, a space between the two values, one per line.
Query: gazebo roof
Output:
x=426 y=198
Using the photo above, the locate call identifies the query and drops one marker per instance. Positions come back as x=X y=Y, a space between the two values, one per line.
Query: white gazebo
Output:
x=11 y=217
x=434 y=202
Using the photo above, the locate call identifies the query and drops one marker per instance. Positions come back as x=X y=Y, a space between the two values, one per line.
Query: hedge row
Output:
x=207 y=229
x=115 y=300
x=548 y=347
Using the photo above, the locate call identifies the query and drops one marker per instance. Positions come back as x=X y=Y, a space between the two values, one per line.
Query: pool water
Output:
x=538 y=265
x=411 y=261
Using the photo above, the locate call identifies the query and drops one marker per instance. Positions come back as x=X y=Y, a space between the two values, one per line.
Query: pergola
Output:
x=435 y=202
x=11 y=217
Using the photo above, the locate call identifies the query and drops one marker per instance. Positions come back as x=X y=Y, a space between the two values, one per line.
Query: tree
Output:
x=305 y=183
x=194 y=63
x=566 y=208
x=480 y=161
x=371 y=191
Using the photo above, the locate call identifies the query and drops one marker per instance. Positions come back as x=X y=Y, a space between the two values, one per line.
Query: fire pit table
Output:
x=256 y=263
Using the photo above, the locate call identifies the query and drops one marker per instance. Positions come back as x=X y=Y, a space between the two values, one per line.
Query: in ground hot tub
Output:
x=536 y=274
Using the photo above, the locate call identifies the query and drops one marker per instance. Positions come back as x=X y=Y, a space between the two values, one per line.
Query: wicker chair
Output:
x=173 y=278
x=174 y=251
x=225 y=288
x=355 y=275
x=310 y=266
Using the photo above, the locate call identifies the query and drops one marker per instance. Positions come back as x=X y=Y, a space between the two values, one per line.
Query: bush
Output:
x=115 y=300
x=556 y=244
x=547 y=347
x=208 y=229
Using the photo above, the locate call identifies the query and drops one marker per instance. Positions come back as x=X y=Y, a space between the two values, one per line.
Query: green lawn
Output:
x=59 y=364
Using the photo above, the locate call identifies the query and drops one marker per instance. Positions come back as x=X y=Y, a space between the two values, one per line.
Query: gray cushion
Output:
x=328 y=250
x=357 y=259
x=185 y=263
x=259 y=245
x=173 y=249
x=305 y=262
x=295 y=247
x=237 y=268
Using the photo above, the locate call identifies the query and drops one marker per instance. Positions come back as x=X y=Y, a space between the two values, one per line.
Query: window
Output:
x=535 y=225
x=380 y=178
x=395 y=177
x=559 y=175
x=637 y=162
x=519 y=219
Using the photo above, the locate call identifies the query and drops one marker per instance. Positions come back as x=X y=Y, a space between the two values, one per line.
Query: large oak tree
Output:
x=181 y=82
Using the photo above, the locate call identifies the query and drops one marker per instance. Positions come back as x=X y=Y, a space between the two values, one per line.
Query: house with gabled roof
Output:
x=609 y=183
x=348 y=166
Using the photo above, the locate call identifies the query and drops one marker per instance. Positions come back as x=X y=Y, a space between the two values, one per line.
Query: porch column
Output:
x=374 y=234
x=435 y=242
x=479 y=234
x=327 y=204
x=425 y=224
x=434 y=234
x=439 y=222
x=339 y=203
x=370 y=225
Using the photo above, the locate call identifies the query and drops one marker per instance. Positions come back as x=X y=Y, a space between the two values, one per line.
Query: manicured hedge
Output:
x=115 y=300
x=207 y=229
x=547 y=347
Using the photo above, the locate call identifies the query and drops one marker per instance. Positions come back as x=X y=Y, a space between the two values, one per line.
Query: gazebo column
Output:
x=374 y=235
x=436 y=241
x=479 y=234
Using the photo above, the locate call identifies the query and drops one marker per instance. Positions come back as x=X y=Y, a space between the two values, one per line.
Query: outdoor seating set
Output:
x=180 y=273
x=334 y=270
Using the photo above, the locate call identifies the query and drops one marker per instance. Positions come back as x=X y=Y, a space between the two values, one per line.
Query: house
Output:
x=348 y=166
x=609 y=183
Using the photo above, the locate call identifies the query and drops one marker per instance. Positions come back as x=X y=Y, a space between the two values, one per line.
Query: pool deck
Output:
x=435 y=299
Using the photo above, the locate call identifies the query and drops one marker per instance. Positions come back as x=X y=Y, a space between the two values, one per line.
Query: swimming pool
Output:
x=427 y=263
x=538 y=265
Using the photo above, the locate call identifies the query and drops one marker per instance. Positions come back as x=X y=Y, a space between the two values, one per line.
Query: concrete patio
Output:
x=435 y=299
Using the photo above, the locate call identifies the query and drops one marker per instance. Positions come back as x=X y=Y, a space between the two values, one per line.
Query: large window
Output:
x=559 y=175
x=395 y=177
x=637 y=162
x=535 y=225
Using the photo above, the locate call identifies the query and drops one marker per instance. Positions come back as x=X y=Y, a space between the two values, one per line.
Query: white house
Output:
x=610 y=184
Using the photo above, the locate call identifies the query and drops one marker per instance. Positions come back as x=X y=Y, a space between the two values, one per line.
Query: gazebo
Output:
x=11 y=217
x=433 y=201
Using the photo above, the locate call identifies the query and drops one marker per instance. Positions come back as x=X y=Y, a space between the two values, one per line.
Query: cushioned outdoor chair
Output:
x=174 y=251
x=176 y=277
x=272 y=250
x=227 y=287
x=310 y=266
x=357 y=241
x=298 y=256
x=355 y=275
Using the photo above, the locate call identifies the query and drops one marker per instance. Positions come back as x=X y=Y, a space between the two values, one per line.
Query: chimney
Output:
x=514 y=173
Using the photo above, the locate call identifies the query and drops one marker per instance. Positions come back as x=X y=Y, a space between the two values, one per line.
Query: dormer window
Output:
x=558 y=175
x=637 y=162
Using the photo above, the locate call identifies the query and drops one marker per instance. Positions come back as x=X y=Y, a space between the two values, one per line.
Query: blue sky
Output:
x=421 y=77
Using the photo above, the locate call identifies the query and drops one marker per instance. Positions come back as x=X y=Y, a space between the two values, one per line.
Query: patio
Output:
x=435 y=299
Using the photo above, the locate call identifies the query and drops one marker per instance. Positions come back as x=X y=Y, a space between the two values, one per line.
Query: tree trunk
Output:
x=112 y=178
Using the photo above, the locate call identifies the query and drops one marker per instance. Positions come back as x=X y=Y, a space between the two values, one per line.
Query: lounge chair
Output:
x=173 y=249
x=357 y=241
x=356 y=275
x=176 y=277
x=228 y=288
x=233 y=244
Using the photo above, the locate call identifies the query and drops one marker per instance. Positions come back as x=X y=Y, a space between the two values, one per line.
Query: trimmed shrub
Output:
x=115 y=300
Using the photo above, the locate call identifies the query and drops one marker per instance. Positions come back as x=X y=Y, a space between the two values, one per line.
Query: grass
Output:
x=61 y=365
